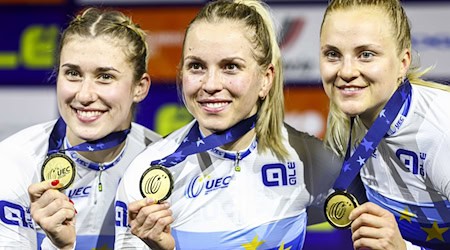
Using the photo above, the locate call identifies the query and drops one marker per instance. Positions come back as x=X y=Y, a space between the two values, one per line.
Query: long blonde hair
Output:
x=338 y=123
x=256 y=17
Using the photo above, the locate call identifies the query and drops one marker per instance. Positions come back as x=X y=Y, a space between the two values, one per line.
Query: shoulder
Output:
x=142 y=135
x=29 y=140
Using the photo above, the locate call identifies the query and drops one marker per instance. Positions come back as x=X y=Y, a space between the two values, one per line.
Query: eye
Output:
x=367 y=55
x=332 y=55
x=195 y=66
x=72 y=75
x=106 y=77
x=231 y=67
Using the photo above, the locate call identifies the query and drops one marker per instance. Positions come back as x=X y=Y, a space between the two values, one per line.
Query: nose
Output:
x=348 y=70
x=86 y=93
x=212 y=81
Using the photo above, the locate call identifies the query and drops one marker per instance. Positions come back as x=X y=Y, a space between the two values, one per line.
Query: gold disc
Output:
x=156 y=183
x=338 y=207
x=59 y=166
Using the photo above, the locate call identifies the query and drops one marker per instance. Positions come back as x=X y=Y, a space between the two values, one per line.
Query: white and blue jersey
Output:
x=22 y=156
x=262 y=205
x=409 y=173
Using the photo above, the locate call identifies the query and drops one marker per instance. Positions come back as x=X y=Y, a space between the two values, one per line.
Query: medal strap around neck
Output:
x=59 y=132
x=353 y=164
x=193 y=142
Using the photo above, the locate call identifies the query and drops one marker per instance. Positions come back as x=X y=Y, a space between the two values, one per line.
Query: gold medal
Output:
x=156 y=183
x=59 y=166
x=338 y=207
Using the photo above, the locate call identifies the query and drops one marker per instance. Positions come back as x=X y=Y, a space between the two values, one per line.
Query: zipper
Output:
x=237 y=168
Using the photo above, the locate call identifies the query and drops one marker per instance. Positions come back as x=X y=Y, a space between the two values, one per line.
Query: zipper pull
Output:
x=237 y=168
x=100 y=186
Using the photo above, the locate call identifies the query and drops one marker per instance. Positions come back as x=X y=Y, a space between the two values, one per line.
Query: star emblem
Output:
x=435 y=232
x=361 y=160
x=90 y=148
x=347 y=167
x=254 y=244
x=367 y=144
x=199 y=142
x=382 y=113
x=406 y=215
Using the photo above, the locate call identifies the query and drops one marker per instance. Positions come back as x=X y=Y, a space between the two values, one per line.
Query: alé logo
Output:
x=14 y=214
x=272 y=175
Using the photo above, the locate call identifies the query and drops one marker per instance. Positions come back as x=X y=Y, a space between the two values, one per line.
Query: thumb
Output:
x=36 y=190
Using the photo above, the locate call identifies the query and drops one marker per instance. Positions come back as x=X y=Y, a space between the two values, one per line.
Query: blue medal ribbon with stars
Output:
x=59 y=131
x=194 y=143
x=353 y=164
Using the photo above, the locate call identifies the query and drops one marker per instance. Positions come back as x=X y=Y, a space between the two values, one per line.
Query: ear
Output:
x=142 y=88
x=267 y=80
x=405 y=62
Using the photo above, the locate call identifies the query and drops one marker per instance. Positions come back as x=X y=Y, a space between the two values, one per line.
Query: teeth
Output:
x=215 y=104
x=88 y=114
x=351 y=89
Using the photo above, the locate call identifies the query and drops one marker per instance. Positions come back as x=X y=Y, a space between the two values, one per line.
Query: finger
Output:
x=64 y=216
x=37 y=189
x=154 y=224
x=369 y=208
x=149 y=214
x=48 y=197
x=136 y=206
x=366 y=243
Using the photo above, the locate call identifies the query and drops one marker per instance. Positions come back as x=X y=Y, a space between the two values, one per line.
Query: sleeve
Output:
x=321 y=168
x=124 y=238
x=48 y=245
x=17 y=230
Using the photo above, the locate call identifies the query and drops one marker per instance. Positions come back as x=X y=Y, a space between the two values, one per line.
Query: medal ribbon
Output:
x=353 y=164
x=194 y=143
x=107 y=142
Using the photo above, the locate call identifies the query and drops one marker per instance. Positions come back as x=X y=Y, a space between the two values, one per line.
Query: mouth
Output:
x=214 y=106
x=88 y=115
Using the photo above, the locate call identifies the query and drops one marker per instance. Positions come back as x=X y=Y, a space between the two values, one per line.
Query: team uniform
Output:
x=22 y=156
x=409 y=173
x=235 y=200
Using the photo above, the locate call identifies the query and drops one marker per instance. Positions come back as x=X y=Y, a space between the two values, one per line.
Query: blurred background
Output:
x=30 y=31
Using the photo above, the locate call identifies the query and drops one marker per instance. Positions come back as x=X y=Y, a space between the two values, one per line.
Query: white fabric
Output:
x=21 y=157
x=216 y=207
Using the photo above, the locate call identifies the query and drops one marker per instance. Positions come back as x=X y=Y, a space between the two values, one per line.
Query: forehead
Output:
x=223 y=36
x=359 y=24
x=101 y=49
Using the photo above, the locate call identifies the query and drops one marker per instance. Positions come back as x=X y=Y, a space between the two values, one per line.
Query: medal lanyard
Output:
x=107 y=142
x=353 y=164
x=193 y=142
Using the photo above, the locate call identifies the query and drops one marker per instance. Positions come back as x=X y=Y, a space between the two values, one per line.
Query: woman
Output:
x=254 y=177
x=101 y=76
x=365 y=63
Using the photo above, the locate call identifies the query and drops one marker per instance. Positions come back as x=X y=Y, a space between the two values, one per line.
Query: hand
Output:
x=375 y=228
x=151 y=223
x=54 y=212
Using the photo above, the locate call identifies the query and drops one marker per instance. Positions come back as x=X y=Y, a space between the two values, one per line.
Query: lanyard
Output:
x=107 y=142
x=193 y=142
x=353 y=164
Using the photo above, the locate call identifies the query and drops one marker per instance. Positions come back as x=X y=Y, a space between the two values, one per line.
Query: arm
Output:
x=54 y=213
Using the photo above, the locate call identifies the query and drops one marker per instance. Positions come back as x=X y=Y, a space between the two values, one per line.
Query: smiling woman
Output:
x=242 y=177
x=394 y=123
x=70 y=168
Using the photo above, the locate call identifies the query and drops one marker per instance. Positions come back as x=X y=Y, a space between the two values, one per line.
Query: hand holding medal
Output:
x=340 y=204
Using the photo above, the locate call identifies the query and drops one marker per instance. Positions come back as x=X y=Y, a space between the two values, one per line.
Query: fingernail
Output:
x=75 y=210
x=71 y=202
x=55 y=182
x=150 y=201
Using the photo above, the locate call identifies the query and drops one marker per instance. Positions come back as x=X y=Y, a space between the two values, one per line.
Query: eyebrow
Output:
x=99 y=69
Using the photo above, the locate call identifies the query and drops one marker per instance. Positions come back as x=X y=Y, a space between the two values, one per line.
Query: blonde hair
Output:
x=256 y=17
x=338 y=124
